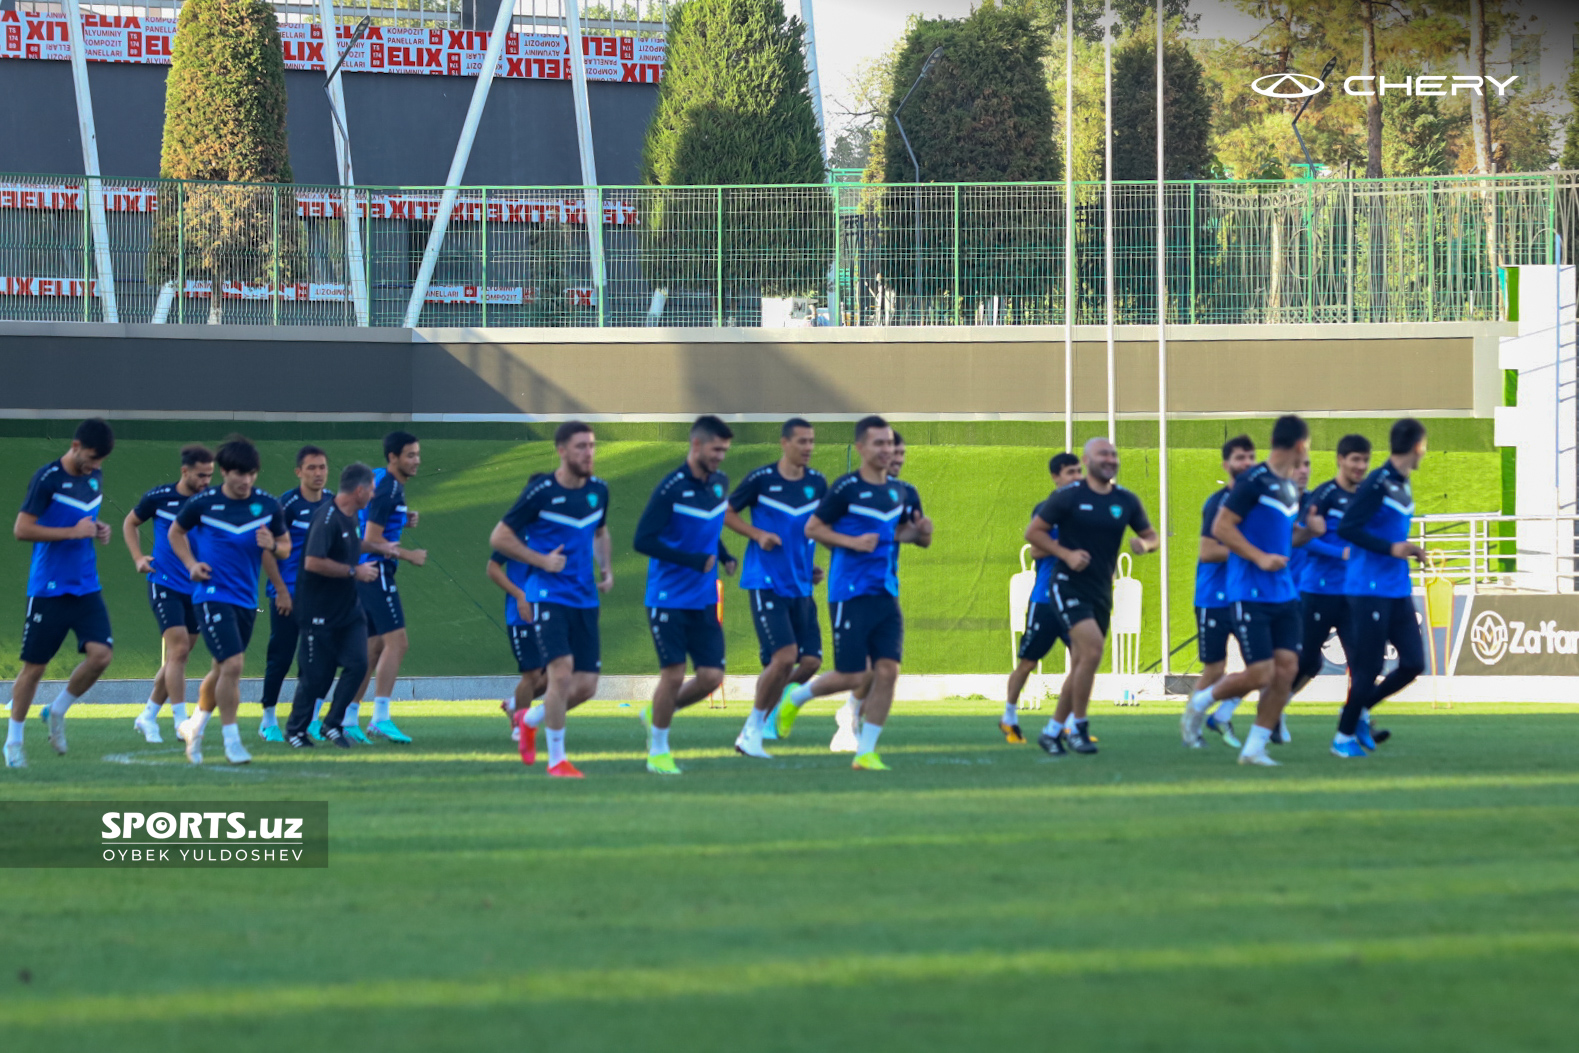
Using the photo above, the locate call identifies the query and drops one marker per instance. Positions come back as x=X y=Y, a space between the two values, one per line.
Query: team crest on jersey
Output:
x=256 y=508
x=1117 y=510
x=893 y=495
x=93 y=483
x=718 y=490
x=810 y=491
x=592 y=500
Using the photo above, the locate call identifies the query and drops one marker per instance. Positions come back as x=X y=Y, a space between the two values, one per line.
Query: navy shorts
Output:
x=1078 y=599
x=172 y=609
x=523 y=644
x=865 y=629
x=50 y=618
x=1263 y=628
x=678 y=632
x=1212 y=628
x=563 y=630
x=784 y=620
x=1043 y=628
x=227 y=628
x=381 y=600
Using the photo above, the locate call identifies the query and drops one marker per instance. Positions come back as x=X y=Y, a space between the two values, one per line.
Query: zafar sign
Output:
x=1519 y=636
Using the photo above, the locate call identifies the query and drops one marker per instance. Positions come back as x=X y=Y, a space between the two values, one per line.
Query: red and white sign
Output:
x=444 y=52
x=298 y=292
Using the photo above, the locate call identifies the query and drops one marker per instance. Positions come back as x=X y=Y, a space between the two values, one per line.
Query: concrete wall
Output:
x=255 y=372
x=403 y=128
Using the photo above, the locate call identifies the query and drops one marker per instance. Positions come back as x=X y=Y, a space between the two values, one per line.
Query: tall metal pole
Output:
x=342 y=155
x=1107 y=214
x=814 y=85
x=463 y=149
x=1162 y=352
x=589 y=166
x=93 y=189
x=1069 y=225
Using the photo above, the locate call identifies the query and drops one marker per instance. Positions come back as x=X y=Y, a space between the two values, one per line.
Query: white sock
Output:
x=1011 y=713
x=556 y=746
x=201 y=716
x=756 y=720
x=851 y=709
x=231 y=733
x=268 y=718
x=178 y=711
x=1256 y=741
x=534 y=716
x=1201 y=700
x=509 y=706
x=1054 y=727
x=801 y=694
x=353 y=715
x=1340 y=737
x=1071 y=724
x=380 y=710
x=1225 y=710
x=13 y=732
x=62 y=703
x=868 y=739
x=660 y=742
x=151 y=710
x=1365 y=717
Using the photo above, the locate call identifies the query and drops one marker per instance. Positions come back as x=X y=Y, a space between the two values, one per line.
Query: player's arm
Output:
x=744 y=497
x=824 y=534
x=504 y=540
x=603 y=554
x=1039 y=535
x=1226 y=529
x=1210 y=549
x=1310 y=525
x=649 y=539
x=1361 y=511
x=275 y=539
x=725 y=560
x=918 y=531
x=497 y=575
x=315 y=555
x=373 y=541
x=134 y=541
x=27 y=529
x=181 y=545
x=1328 y=544
x=282 y=595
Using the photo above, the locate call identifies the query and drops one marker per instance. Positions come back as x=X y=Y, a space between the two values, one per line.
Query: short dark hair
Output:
x=237 y=454
x=195 y=453
x=1353 y=444
x=1060 y=461
x=790 y=425
x=1287 y=431
x=1238 y=442
x=569 y=430
x=396 y=442
x=309 y=451
x=711 y=427
x=95 y=434
x=866 y=424
x=899 y=440
x=1406 y=435
x=354 y=476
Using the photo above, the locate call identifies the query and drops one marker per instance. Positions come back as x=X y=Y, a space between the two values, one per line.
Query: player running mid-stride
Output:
x=1381 y=603
x=384 y=519
x=779 y=573
x=299 y=503
x=169 y=587
x=1324 y=603
x=523 y=641
x=681 y=533
x=329 y=611
x=1044 y=626
x=233 y=525
x=1257 y=524
x=1090 y=516
x=557 y=534
x=1214 y=618
x=59 y=517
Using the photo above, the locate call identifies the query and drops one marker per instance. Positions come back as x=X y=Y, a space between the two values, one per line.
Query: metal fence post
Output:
x=1348 y=187
x=482 y=287
x=1430 y=258
x=87 y=248
x=1310 y=249
x=958 y=299
x=1193 y=247
x=835 y=299
x=718 y=293
x=180 y=253
x=274 y=262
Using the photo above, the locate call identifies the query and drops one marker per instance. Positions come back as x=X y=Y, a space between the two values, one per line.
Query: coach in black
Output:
x=328 y=612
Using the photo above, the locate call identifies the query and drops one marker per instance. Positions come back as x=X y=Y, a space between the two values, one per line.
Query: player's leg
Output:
x=1280 y=625
x=44 y=629
x=885 y=639
x=1253 y=630
x=1368 y=620
x=350 y=655
x=1088 y=640
x=90 y=621
x=1317 y=624
x=778 y=650
x=1213 y=626
x=22 y=692
x=314 y=672
x=396 y=643
x=1010 y=724
x=227 y=687
x=525 y=717
x=375 y=653
x=850 y=665
x=1404 y=634
x=284 y=632
x=807 y=634
x=1043 y=627
x=178 y=642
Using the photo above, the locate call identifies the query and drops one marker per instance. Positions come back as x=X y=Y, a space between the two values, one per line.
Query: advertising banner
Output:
x=1523 y=635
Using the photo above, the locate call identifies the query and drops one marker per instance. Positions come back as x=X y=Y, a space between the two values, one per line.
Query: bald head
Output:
x=1101 y=459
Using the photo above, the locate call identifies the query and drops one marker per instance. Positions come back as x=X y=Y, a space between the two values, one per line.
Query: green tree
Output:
x=1187 y=110
x=1414 y=140
x=1570 y=158
x=225 y=124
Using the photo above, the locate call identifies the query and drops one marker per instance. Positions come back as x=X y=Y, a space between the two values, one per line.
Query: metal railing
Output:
x=1420 y=250
x=1488 y=551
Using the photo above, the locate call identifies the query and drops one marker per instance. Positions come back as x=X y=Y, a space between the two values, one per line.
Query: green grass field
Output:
x=979 y=896
x=955 y=594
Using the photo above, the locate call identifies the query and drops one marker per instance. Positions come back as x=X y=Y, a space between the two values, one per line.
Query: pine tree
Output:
x=1570 y=156
x=1187 y=110
x=225 y=124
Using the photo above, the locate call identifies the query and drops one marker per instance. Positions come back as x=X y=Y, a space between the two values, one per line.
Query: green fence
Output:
x=1417 y=250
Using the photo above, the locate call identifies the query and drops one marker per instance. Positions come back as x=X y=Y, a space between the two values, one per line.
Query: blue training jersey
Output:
x=910 y=499
x=854 y=507
x=780 y=506
x=1299 y=555
x=681 y=527
x=388 y=510
x=160 y=505
x=223 y=533
x=1379 y=516
x=298 y=512
x=1325 y=567
x=1211 y=579
x=516 y=572
x=1267 y=506
x=548 y=516
x=1042 y=589
x=59 y=499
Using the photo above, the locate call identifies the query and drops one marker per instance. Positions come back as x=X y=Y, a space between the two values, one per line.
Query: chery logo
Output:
x=1287 y=85
x=1303 y=85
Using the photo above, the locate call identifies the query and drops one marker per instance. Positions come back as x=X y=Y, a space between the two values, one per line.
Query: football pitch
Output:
x=979 y=896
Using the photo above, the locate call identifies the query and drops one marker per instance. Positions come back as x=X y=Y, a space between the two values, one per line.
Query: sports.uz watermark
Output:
x=208 y=834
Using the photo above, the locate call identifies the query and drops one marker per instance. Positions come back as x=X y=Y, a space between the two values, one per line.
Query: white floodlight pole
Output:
x=814 y=87
x=589 y=168
x=1069 y=225
x=1162 y=356
x=1107 y=213
x=93 y=189
x=342 y=156
x=463 y=149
